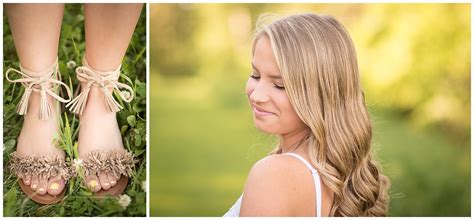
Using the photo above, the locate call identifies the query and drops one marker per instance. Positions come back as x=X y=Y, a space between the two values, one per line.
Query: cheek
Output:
x=288 y=117
x=250 y=86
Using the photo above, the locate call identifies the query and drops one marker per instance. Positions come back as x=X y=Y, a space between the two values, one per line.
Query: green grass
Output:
x=132 y=121
x=206 y=144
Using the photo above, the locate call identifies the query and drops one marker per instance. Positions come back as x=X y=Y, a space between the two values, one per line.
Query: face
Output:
x=272 y=110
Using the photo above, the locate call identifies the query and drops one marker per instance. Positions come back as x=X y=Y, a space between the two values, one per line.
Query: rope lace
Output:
x=38 y=82
x=106 y=81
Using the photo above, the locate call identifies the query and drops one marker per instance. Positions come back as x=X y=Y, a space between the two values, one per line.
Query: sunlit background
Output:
x=414 y=61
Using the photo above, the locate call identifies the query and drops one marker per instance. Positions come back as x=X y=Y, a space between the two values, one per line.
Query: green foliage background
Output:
x=414 y=61
x=132 y=120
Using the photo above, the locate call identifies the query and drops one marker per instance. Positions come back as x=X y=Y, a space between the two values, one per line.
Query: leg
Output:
x=109 y=28
x=36 y=30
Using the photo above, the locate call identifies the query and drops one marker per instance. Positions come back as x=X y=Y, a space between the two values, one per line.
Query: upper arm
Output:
x=274 y=187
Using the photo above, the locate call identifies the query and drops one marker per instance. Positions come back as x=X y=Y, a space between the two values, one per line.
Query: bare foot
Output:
x=37 y=138
x=99 y=131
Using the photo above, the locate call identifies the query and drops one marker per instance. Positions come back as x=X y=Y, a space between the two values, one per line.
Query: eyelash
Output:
x=279 y=87
x=253 y=76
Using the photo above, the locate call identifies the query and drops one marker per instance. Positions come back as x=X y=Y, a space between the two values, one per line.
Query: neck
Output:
x=290 y=141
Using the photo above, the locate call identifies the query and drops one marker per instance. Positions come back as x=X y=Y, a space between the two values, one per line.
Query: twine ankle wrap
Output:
x=43 y=167
x=38 y=82
x=106 y=81
x=114 y=162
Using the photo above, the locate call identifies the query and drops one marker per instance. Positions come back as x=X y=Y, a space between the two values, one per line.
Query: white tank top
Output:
x=234 y=211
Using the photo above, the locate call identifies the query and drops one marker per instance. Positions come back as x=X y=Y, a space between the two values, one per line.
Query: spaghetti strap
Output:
x=317 y=181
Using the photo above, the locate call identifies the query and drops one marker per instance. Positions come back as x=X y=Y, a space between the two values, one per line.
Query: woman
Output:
x=38 y=162
x=305 y=88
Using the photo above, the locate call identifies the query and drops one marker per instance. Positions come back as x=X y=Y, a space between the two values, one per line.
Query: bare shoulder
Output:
x=283 y=165
x=277 y=185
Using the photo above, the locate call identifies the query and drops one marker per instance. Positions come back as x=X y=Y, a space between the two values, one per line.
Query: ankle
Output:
x=96 y=82
x=39 y=70
x=40 y=67
x=98 y=65
x=41 y=83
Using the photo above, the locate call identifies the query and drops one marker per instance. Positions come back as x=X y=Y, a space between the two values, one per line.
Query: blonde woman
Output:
x=305 y=88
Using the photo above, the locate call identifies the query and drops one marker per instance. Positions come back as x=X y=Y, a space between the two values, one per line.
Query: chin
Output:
x=266 y=127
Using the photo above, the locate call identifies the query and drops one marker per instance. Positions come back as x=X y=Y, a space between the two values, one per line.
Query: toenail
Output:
x=112 y=182
x=41 y=189
x=93 y=183
x=34 y=186
x=106 y=184
x=27 y=182
x=54 y=186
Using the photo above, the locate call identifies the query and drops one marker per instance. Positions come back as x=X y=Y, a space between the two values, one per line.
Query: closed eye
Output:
x=254 y=76
x=279 y=87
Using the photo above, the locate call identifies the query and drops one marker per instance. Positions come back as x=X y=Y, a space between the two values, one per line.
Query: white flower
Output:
x=71 y=64
x=77 y=163
x=126 y=94
x=124 y=201
x=144 y=185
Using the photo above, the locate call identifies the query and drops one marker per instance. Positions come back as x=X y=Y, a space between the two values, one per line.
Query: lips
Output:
x=261 y=112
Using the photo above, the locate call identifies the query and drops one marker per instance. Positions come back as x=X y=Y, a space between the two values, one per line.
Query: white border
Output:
x=148 y=84
x=234 y=1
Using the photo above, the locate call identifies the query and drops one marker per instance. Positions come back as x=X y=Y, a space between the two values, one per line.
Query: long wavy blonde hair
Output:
x=318 y=65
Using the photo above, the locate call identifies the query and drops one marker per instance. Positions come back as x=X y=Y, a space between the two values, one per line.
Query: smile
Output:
x=261 y=112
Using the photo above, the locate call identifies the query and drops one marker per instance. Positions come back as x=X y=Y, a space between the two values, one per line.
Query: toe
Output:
x=92 y=181
x=104 y=181
x=27 y=180
x=112 y=180
x=55 y=186
x=42 y=186
x=34 y=183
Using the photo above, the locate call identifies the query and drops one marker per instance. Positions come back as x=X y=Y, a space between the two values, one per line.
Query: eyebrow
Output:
x=271 y=76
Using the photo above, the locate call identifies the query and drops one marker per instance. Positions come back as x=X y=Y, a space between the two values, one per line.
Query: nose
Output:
x=259 y=93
